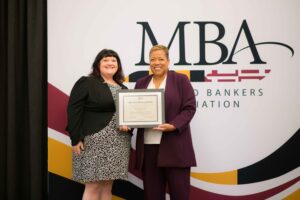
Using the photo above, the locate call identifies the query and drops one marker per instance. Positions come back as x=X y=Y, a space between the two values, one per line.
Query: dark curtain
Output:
x=23 y=106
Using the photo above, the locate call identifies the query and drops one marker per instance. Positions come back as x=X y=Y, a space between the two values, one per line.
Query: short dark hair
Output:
x=160 y=47
x=119 y=75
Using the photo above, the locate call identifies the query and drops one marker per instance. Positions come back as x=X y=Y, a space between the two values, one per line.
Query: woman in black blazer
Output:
x=100 y=148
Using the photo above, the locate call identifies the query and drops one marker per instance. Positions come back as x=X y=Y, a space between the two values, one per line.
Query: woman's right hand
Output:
x=124 y=128
x=78 y=148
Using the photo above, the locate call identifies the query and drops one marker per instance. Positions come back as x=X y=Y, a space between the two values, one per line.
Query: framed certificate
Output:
x=140 y=108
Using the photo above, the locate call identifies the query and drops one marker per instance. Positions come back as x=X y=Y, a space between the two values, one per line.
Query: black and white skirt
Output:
x=105 y=155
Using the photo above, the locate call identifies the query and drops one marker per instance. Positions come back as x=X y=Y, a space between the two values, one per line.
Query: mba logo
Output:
x=226 y=56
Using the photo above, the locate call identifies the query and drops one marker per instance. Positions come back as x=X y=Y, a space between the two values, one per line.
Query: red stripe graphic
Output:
x=57 y=114
x=197 y=192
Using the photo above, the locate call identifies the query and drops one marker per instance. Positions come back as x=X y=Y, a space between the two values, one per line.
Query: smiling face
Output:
x=159 y=63
x=108 y=66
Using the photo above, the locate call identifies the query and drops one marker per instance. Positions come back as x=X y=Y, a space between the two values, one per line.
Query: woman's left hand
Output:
x=165 y=128
x=124 y=128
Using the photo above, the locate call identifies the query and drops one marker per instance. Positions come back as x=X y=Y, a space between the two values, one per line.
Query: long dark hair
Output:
x=119 y=75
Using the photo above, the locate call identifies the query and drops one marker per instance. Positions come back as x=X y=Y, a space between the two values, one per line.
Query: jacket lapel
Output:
x=145 y=84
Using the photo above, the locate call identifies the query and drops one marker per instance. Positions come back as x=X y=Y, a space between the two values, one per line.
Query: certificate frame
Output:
x=140 y=108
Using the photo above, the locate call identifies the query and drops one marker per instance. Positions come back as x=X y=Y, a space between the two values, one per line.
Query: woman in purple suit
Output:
x=165 y=153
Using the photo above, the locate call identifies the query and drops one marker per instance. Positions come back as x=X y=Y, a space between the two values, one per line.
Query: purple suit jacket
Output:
x=176 y=148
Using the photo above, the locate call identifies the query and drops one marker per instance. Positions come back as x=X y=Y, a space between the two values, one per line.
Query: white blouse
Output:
x=152 y=136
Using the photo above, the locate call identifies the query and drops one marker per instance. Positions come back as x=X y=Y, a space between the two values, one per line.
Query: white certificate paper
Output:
x=140 y=108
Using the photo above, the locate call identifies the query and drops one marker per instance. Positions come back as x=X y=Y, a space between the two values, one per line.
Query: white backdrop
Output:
x=241 y=128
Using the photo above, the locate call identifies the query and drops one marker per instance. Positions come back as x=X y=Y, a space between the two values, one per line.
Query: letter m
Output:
x=180 y=29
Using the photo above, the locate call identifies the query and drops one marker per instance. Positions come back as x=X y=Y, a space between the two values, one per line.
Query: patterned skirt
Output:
x=105 y=156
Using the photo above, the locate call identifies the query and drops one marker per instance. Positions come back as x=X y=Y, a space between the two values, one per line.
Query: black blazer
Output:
x=90 y=107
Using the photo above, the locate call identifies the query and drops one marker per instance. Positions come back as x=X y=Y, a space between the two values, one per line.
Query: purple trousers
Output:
x=157 y=179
